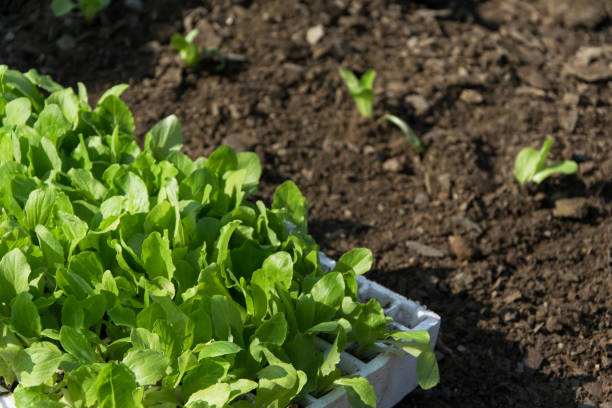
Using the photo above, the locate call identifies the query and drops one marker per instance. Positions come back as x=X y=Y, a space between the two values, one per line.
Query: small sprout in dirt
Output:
x=190 y=53
x=89 y=8
x=361 y=91
x=529 y=164
x=413 y=139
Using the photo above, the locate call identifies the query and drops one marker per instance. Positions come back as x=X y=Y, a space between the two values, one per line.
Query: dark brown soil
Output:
x=524 y=293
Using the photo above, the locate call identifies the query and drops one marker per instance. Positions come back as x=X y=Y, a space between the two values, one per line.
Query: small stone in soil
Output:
x=314 y=34
x=594 y=389
x=471 y=96
x=421 y=198
x=533 y=359
x=553 y=324
x=420 y=104
x=568 y=120
x=534 y=77
x=461 y=281
x=466 y=224
x=512 y=296
x=424 y=250
x=571 y=208
x=508 y=315
x=393 y=165
x=66 y=42
x=134 y=4
x=445 y=182
x=460 y=247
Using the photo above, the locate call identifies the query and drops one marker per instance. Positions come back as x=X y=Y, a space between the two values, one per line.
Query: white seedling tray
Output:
x=392 y=375
x=6 y=400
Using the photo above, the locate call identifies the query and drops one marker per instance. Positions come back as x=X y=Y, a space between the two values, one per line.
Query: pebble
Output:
x=421 y=198
x=151 y=47
x=314 y=34
x=460 y=247
x=594 y=388
x=133 y=4
x=597 y=72
x=587 y=14
x=553 y=324
x=471 y=96
x=508 y=315
x=569 y=119
x=393 y=165
x=512 y=296
x=461 y=281
x=606 y=167
x=571 y=99
x=424 y=250
x=466 y=224
x=445 y=183
x=367 y=149
x=66 y=42
x=172 y=77
x=397 y=87
x=419 y=103
x=571 y=208
x=585 y=55
x=530 y=91
x=534 y=78
x=533 y=359
x=207 y=35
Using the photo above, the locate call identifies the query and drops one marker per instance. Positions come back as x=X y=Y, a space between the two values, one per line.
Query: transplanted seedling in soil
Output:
x=361 y=91
x=529 y=164
x=89 y=8
x=190 y=53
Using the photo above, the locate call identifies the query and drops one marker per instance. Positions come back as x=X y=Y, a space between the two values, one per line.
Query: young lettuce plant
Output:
x=134 y=277
x=361 y=91
x=190 y=53
x=89 y=8
x=530 y=164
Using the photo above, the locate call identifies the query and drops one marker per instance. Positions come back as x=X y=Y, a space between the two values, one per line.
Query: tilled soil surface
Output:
x=522 y=276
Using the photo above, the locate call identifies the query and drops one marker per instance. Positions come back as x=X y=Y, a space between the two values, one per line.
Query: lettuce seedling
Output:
x=413 y=139
x=190 y=53
x=135 y=276
x=361 y=91
x=529 y=164
x=188 y=50
x=89 y=8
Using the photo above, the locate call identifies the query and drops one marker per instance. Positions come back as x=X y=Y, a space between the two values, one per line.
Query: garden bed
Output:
x=523 y=289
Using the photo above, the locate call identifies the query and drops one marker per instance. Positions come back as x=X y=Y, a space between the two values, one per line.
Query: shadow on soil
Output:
x=509 y=383
x=119 y=45
x=320 y=229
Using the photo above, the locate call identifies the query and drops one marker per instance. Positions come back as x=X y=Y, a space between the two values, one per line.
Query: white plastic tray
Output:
x=6 y=401
x=392 y=375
